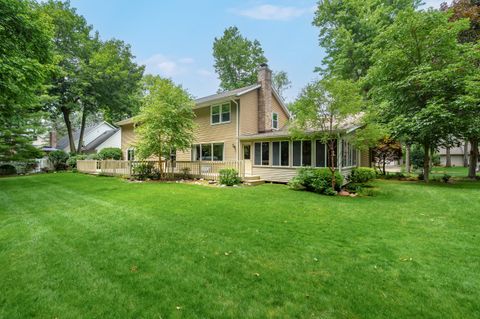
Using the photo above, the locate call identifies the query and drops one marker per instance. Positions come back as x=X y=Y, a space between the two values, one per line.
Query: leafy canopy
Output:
x=236 y=59
x=25 y=63
x=165 y=122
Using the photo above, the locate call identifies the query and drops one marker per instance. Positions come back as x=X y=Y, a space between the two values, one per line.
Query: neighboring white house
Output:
x=95 y=138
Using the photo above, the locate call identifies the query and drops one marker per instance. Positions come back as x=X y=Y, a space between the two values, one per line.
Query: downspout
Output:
x=238 y=129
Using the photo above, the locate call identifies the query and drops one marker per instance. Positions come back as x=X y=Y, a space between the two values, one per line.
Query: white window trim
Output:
x=280 y=154
x=312 y=157
x=211 y=147
x=270 y=159
x=221 y=109
x=273 y=127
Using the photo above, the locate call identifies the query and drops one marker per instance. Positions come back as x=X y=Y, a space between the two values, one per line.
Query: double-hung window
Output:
x=275 y=121
x=207 y=152
x=131 y=154
x=280 y=153
x=302 y=153
x=220 y=113
x=262 y=153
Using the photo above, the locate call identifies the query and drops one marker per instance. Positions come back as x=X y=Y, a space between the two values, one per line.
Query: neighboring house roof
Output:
x=64 y=143
x=99 y=140
x=224 y=95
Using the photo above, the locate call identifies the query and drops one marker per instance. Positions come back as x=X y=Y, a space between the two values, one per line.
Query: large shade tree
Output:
x=165 y=123
x=91 y=76
x=348 y=29
x=408 y=77
x=323 y=110
x=236 y=59
x=25 y=63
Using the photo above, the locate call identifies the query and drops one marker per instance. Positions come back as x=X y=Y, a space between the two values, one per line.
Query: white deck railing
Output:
x=198 y=169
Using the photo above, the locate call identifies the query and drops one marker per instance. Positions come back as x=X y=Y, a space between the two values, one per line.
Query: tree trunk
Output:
x=384 y=164
x=68 y=124
x=426 y=161
x=465 y=154
x=408 y=148
x=332 y=163
x=472 y=169
x=82 y=131
x=448 y=157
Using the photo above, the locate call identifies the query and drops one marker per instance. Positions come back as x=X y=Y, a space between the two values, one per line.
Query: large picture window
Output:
x=280 y=153
x=262 y=153
x=220 y=113
x=302 y=153
x=208 y=152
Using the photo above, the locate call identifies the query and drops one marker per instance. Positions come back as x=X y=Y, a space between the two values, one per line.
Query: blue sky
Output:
x=174 y=38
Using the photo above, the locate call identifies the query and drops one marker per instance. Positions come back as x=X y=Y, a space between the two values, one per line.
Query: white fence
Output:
x=199 y=169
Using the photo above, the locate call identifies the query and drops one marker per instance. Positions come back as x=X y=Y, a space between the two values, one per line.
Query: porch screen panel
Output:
x=276 y=153
x=297 y=153
x=320 y=154
x=307 y=153
x=258 y=154
x=265 y=153
x=284 y=153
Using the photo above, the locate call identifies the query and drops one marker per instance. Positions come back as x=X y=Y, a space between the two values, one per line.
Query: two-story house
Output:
x=249 y=125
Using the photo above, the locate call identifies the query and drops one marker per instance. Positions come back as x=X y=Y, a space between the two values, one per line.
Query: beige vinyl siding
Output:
x=365 y=158
x=249 y=113
x=205 y=132
x=282 y=116
x=284 y=174
x=127 y=138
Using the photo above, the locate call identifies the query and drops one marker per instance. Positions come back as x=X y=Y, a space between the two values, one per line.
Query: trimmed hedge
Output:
x=362 y=175
x=229 y=177
x=317 y=180
x=113 y=153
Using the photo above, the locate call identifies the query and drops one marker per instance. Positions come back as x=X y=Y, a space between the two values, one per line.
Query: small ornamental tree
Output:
x=322 y=110
x=165 y=123
x=386 y=151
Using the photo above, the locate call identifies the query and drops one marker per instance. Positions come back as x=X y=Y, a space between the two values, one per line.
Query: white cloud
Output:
x=272 y=12
x=163 y=65
x=205 y=73
x=186 y=60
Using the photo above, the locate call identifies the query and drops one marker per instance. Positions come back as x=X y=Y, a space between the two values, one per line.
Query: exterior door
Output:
x=247 y=158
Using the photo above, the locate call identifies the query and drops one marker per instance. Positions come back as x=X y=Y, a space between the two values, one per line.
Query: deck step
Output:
x=255 y=182
x=251 y=178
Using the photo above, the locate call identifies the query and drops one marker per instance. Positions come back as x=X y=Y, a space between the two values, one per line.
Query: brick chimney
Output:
x=265 y=99
x=53 y=139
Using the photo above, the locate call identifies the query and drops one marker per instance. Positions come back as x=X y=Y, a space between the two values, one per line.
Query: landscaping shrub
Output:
x=143 y=171
x=72 y=160
x=185 y=173
x=362 y=175
x=92 y=156
x=7 y=169
x=318 y=180
x=58 y=159
x=446 y=178
x=111 y=153
x=229 y=177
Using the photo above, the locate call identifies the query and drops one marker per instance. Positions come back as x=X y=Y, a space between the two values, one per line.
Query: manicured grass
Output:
x=457 y=171
x=78 y=246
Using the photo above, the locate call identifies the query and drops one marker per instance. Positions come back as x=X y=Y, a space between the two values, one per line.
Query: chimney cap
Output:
x=263 y=65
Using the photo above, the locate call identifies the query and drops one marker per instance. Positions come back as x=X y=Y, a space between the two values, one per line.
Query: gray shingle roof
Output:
x=100 y=139
x=227 y=94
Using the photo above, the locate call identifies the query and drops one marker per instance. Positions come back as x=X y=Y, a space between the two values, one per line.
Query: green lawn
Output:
x=457 y=171
x=78 y=246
